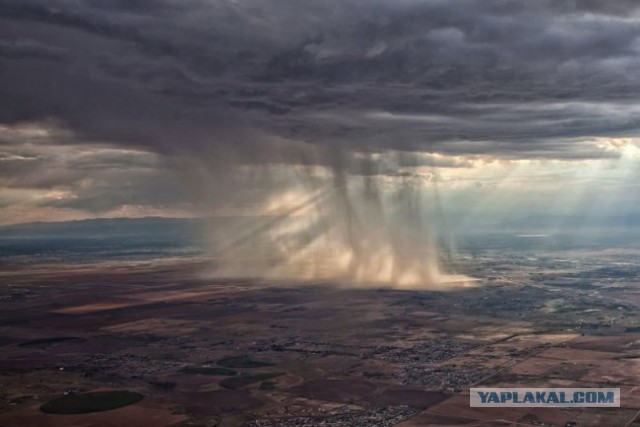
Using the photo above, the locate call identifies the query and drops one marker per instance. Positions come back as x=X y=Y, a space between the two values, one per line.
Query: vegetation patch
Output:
x=48 y=341
x=242 y=362
x=163 y=385
x=243 y=380
x=203 y=370
x=268 y=385
x=84 y=403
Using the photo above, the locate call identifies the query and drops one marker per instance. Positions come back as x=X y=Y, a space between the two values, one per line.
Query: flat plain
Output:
x=206 y=352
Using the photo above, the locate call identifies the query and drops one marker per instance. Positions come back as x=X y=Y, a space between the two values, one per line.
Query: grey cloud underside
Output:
x=505 y=78
x=98 y=178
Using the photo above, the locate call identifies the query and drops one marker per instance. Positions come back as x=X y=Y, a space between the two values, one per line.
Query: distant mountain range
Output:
x=580 y=220
x=98 y=239
x=102 y=228
x=159 y=226
x=155 y=236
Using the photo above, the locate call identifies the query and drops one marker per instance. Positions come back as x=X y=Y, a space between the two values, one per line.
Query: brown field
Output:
x=405 y=396
x=593 y=417
x=92 y=308
x=170 y=296
x=619 y=343
x=578 y=356
x=554 y=368
x=459 y=406
x=427 y=419
x=615 y=372
x=160 y=327
x=349 y=391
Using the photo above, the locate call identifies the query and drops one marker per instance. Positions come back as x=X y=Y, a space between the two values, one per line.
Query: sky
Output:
x=498 y=108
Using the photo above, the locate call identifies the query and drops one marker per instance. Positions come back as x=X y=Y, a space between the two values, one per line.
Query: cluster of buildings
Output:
x=424 y=353
x=449 y=378
x=379 y=416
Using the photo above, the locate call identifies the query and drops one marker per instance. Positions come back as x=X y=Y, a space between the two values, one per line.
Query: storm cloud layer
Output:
x=332 y=124
x=505 y=78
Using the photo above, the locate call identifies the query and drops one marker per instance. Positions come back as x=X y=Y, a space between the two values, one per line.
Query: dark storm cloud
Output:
x=504 y=78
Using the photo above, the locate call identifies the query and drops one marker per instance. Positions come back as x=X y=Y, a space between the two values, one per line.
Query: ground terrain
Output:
x=207 y=352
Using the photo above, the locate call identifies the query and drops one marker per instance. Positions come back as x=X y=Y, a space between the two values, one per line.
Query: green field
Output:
x=208 y=370
x=268 y=385
x=242 y=380
x=84 y=403
x=242 y=362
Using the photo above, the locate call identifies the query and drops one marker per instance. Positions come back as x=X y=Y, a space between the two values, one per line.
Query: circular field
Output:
x=83 y=403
